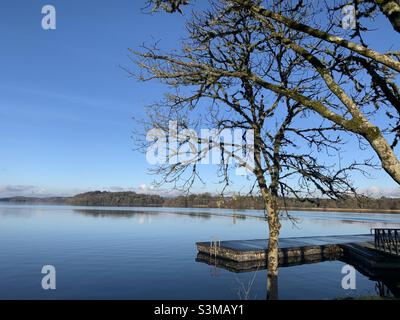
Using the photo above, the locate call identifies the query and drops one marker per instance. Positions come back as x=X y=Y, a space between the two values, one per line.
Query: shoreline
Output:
x=303 y=209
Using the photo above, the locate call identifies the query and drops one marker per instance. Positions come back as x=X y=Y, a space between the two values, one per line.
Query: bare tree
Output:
x=339 y=61
x=214 y=83
x=366 y=8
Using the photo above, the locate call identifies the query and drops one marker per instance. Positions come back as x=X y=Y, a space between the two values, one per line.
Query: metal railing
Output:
x=387 y=240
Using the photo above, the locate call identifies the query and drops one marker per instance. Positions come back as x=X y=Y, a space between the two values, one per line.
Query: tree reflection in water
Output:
x=130 y=213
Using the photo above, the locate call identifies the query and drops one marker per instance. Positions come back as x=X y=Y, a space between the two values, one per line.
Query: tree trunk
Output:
x=389 y=160
x=273 y=250
x=270 y=198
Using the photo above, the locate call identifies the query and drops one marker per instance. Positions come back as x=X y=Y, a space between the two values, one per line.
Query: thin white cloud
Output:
x=119 y=189
x=377 y=192
x=7 y=191
x=21 y=190
x=146 y=189
x=69 y=97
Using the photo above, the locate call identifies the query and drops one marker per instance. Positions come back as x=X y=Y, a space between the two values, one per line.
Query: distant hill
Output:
x=115 y=199
x=95 y=198
x=206 y=200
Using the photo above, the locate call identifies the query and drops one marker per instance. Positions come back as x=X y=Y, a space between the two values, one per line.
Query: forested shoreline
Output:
x=207 y=200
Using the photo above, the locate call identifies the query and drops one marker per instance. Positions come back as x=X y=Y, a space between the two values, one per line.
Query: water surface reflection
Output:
x=149 y=253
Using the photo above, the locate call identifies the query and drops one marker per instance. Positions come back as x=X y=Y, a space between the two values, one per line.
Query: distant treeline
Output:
x=206 y=200
x=116 y=199
x=247 y=202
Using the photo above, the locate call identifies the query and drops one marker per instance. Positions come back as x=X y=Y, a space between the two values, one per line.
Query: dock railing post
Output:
x=376 y=238
x=387 y=240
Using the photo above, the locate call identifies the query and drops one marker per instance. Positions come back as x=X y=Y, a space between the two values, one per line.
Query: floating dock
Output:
x=362 y=251
x=250 y=255
x=256 y=250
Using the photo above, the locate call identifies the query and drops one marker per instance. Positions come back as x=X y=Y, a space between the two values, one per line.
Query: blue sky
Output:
x=66 y=106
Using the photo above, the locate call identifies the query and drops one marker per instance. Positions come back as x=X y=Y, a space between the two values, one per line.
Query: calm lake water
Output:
x=142 y=253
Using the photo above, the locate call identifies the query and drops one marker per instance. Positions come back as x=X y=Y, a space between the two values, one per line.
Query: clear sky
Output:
x=66 y=106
